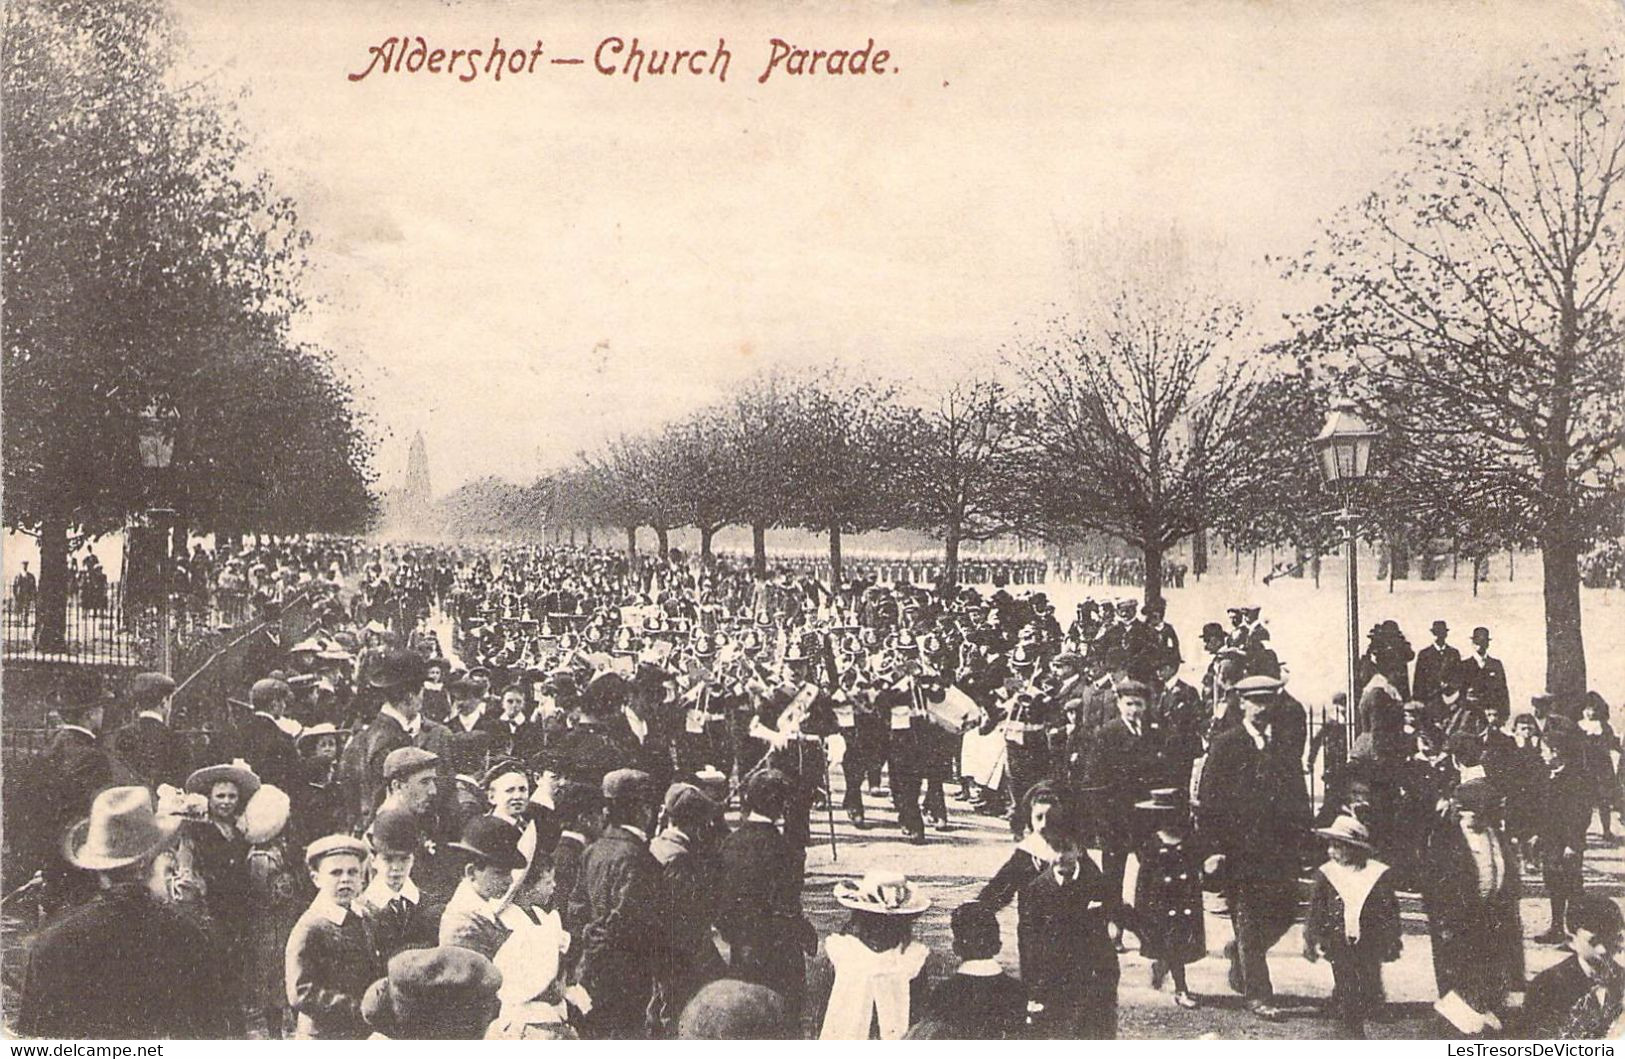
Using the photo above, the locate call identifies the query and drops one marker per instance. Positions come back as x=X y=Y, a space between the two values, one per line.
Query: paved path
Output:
x=951 y=866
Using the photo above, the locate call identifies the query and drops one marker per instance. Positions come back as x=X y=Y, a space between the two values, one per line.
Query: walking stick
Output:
x=829 y=805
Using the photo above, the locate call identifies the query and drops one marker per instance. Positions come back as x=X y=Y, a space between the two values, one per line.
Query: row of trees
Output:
x=149 y=268
x=1468 y=307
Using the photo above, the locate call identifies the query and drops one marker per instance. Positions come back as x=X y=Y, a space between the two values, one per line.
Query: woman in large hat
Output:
x=878 y=966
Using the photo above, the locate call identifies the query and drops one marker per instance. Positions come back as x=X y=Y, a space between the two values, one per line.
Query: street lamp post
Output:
x=1344 y=446
x=157 y=446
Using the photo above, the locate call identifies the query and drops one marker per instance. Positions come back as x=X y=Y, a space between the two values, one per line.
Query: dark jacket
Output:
x=1490 y=680
x=615 y=900
x=1432 y=663
x=268 y=750
x=1325 y=932
x=378 y=739
x=1562 y=1003
x=758 y=910
x=328 y=970
x=123 y=967
x=1477 y=940
x=1068 y=963
x=152 y=750
x=966 y=1007
x=1254 y=808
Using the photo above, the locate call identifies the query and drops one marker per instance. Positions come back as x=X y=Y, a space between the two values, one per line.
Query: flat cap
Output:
x=629 y=785
x=407 y=760
x=1258 y=686
x=1136 y=688
x=331 y=844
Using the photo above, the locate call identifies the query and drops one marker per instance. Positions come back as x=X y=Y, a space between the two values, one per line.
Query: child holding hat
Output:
x=1353 y=921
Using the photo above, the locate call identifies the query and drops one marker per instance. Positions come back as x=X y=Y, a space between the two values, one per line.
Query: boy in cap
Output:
x=978 y=1001
x=1353 y=921
x=1581 y=997
x=392 y=902
x=331 y=955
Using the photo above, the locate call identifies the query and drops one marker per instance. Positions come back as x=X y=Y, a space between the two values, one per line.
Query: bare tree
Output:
x=961 y=459
x=1139 y=418
x=1472 y=308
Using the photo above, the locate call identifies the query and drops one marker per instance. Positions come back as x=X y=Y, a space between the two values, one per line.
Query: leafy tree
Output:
x=1471 y=305
x=146 y=264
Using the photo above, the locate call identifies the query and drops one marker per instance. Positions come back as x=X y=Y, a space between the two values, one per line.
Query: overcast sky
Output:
x=523 y=268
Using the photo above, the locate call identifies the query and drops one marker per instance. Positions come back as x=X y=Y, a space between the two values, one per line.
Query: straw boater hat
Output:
x=122 y=829
x=1347 y=830
x=238 y=772
x=887 y=893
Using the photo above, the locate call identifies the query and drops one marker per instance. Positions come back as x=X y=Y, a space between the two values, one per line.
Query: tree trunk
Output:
x=1153 y=571
x=589 y=536
x=632 y=544
x=1314 y=565
x=706 y=532
x=1199 y=553
x=663 y=542
x=834 y=557
x=1565 y=644
x=51 y=613
x=950 y=558
x=758 y=548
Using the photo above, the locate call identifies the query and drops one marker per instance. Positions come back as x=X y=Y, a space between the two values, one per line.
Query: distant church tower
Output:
x=415 y=493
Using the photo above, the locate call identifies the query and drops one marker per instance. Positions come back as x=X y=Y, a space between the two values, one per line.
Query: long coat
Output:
x=1432 y=663
x=758 y=896
x=1168 y=904
x=1068 y=962
x=123 y=967
x=155 y=752
x=1477 y=941
x=1489 y=680
x=268 y=750
x=616 y=900
x=1254 y=808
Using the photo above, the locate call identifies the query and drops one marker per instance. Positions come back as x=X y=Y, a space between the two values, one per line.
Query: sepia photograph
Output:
x=812 y=521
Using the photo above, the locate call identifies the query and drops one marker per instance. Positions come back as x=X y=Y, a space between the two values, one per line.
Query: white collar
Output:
x=378 y=894
x=154 y=714
x=757 y=818
x=577 y=835
x=642 y=835
x=1036 y=847
x=988 y=968
x=1259 y=735
x=639 y=727
x=329 y=910
x=389 y=710
x=79 y=728
x=467 y=900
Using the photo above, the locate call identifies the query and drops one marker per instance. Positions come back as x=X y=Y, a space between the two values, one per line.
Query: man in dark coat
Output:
x=1483 y=677
x=1124 y=763
x=1470 y=892
x=398 y=677
x=617 y=899
x=1563 y=818
x=153 y=751
x=593 y=748
x=261 y=742
x=758 y=896
x=1255 y=816
x=1433 y=662
x=124 y=966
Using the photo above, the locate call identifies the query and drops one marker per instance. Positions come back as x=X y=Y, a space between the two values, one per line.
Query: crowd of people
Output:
x=548 y=793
